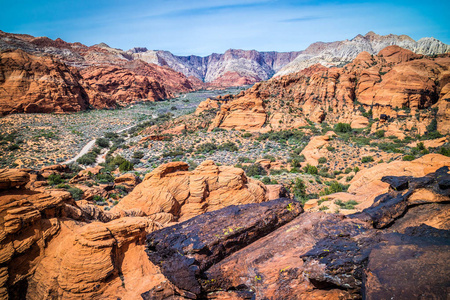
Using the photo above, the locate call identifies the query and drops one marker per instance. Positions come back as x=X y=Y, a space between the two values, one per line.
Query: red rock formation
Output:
x=41 y=84
x=172 y=81
x=123 y=85
x=397 y=78
x=178 y=194
x=316 y=255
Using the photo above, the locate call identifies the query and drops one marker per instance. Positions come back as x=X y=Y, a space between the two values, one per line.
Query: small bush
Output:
x=299 y=190
x=342 y=127
x=367 y=159
x=408 y=157
x=54 y=179
x=266 y=180
x=254 y=170
x=269 y=157
x=13 y=147
x=76 y=193
x=444 y=151
x=138 y=154
x=98 y=199
x=310 y=169
x=125 y=166
x=206 y=147
x=322 y=160
x=334 y=187
x=102 y=142
x=380 y=134
x=350 y=204
x=243 y=159
x=229 y=146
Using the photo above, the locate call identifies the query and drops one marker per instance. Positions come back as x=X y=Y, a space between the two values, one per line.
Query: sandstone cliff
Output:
x=396 y=82
x=40 y=84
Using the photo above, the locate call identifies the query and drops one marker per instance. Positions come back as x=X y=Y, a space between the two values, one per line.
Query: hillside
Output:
x=342 y=52
x=410 y=90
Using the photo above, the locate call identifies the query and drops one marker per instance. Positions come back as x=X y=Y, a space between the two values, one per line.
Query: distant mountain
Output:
x=249 y=65
x=342 y=52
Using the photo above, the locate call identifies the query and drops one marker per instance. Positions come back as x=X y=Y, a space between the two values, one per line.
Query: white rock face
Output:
x=247 y=63
x=342 y=52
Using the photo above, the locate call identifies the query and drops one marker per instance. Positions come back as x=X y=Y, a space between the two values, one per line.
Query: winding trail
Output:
x=89 y=146
x=82 y=152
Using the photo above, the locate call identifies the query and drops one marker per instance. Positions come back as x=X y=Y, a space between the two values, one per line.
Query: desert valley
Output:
x=140 y=174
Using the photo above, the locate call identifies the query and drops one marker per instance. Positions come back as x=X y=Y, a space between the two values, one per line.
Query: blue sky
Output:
x=203 y=27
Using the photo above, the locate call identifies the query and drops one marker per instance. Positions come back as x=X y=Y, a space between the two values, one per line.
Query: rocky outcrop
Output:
x=316 y=255
x=54 y=247
x=34 y=84
x=124 y=86
x=172 y=193
x=342 y=52
x=181 y=253
x=376 y=85
x=246 y=113
x=367 y=184
x=43 y=75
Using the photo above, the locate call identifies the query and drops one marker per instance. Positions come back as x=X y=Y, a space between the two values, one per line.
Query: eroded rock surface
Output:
x=172 y=193
x=318 y=255
x=371 y=85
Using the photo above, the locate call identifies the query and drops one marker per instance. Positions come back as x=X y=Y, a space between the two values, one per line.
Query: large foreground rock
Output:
x=318 y=255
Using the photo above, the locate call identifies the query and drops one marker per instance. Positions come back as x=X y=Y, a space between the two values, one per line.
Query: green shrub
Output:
x=269 y=157
x=102 y=142
x=13 y=147
x=125 y=166
x=177 y=152
x=243 y=159
x=432 y=126
x=247 y=135
x=350 y=204
x=367 y=159
x=334 y=187
x=87 y=159
x=206 y=147
x=342 y=127
x=408 y=157
x=104 y=178
x=76 y=193
x=310 y=169
x=299 y=190
x=63 y=186
x=444 y=151
x=138 y=154
x=348 y=170
x=254 y=170
x=380 y=134
x=98 y=199
x=266 y=180
x=229 y=146
x=278 y=172
x=54 y=179
x=322 y=160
